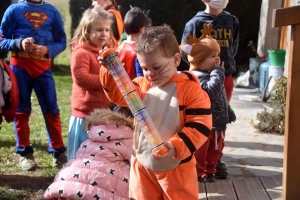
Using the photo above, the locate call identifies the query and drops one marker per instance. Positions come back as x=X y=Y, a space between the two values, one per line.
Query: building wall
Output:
x=267 y=36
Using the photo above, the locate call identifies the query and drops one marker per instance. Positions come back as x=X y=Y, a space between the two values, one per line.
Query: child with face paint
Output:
x=226 y=32
x=180 y=111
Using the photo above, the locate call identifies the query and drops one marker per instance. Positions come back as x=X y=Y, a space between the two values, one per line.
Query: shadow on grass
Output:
x=28 y=183
x=36 y=146
x=62 y=70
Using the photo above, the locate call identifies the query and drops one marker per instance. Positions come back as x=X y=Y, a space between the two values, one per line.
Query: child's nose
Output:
x=150 y=73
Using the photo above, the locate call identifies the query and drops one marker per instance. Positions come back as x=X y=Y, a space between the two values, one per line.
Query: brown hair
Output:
x=123 y=110
x=82 y=31
x=158 y=38
x=134 y=20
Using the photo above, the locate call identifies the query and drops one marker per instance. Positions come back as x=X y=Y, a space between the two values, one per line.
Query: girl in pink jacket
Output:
x=101 y=167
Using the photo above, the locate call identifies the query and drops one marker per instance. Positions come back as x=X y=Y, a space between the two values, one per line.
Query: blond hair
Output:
x=158 y=38
x=82 y=31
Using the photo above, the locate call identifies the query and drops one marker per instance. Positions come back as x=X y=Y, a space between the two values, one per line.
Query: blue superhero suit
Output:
x=42 y=22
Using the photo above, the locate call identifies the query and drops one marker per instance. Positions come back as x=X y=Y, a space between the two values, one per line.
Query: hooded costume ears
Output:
x=197 y=50
x=206 y=30
x=187 y=46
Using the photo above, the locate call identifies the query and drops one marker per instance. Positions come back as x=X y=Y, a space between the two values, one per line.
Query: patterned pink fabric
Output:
x=100 y=169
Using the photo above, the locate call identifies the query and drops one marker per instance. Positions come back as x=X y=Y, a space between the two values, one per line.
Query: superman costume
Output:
x=42 y=22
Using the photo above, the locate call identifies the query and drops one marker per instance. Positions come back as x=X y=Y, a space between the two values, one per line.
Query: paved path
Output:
x=248 y=152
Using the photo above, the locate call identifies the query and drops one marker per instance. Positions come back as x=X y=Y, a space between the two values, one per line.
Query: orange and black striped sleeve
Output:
x=195 y=118
x=112 y=91
x=110 y=87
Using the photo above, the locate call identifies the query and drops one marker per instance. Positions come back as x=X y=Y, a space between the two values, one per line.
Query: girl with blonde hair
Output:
x=91 y=35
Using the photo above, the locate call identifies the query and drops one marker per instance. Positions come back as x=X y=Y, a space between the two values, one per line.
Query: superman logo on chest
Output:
x=36 y=19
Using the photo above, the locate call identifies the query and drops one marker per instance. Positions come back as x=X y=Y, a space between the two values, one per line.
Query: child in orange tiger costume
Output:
x=181 y=112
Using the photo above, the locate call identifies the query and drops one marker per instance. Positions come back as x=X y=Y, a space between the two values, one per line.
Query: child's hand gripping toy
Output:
x=134 y=101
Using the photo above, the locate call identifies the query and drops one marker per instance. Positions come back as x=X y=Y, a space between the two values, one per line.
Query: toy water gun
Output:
x=134 y=101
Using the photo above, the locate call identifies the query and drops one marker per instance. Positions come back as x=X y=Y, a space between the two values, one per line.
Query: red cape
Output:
x=9 y=110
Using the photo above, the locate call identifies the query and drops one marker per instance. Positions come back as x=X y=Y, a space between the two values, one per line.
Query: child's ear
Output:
x=142 y=29
x=186 y=48
x=177 y=59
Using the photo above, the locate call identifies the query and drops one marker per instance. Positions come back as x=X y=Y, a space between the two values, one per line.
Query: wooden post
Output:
x=291 y=163
x=284 y=29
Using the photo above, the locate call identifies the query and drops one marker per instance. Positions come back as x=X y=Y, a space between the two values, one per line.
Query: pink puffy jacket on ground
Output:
x=101 y=167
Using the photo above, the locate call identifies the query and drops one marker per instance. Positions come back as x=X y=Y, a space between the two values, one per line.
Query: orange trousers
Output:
x=207 y=155
x=178 y=183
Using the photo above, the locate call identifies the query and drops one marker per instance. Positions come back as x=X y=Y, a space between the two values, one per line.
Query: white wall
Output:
x=268 y=36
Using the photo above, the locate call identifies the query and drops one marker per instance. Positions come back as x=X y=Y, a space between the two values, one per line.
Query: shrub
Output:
x=274 y=121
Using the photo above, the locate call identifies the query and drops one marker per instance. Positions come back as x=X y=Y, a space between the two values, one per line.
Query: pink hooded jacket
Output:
x=101 y=167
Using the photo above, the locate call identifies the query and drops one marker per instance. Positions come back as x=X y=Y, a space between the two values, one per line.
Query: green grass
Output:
x=16 y=184
x=63 y=7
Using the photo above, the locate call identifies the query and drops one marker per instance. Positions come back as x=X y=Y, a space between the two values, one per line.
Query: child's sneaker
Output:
x=208 y=178
x=60 y=160
x=221 y=172
x=27 y=162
